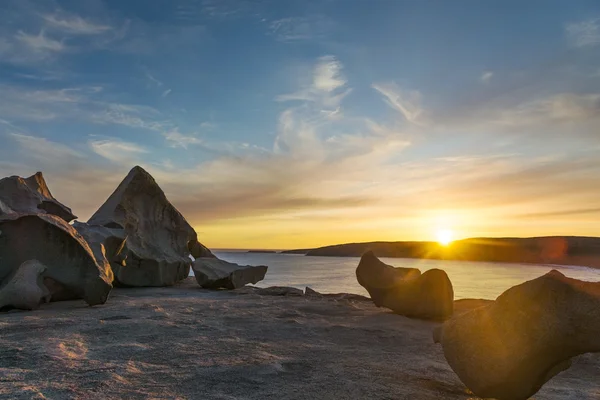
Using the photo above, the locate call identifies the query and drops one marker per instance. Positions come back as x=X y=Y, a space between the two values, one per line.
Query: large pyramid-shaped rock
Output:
x=405 y=290
x=158 y=239
x=30 y=196
x=510 y=348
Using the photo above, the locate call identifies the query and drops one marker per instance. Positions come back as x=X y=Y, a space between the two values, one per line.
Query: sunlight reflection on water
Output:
x=336 y=274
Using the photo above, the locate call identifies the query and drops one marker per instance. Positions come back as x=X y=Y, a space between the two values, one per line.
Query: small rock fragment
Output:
x=213 y=273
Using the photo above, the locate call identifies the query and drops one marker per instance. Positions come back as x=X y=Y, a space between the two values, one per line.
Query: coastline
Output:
x=543 y=264
x=185 y=342
x=546 y=250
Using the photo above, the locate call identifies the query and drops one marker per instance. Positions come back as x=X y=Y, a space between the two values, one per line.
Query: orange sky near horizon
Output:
x=273 y=234
x=471 y=197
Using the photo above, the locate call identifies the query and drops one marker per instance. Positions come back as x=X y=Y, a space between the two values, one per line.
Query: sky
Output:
x=291 y=124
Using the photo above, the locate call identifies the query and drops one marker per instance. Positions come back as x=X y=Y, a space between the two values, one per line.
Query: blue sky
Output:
x=267 y=120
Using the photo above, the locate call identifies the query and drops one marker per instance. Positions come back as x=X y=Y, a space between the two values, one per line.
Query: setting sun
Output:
x=444 y=236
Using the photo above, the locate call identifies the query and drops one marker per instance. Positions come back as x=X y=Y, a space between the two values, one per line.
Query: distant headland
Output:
x=560 y=250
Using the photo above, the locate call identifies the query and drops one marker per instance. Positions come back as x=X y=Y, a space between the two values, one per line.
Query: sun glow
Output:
x=444 y=236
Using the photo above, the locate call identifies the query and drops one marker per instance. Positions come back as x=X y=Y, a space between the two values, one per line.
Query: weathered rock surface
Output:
x=311 y=292
x=507 y=350
x=379 y=278
x=144 y=344
x=159 y=239
x=213 y=273
x=405 y=290
x=279 y=291
x=198 y=250
x=6 y=211
x=72 y=270
x=24 y=289
x=345 y=296
x=308 y=293
x=282 y=291
x=107 y=244
x=335 y=296
x=463 y=305
x=30 y=196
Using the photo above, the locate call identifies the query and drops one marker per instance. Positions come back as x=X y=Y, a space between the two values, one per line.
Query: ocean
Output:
x=336 y=274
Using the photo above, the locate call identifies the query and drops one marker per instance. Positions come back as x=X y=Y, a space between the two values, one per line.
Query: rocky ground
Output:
x=184 y=342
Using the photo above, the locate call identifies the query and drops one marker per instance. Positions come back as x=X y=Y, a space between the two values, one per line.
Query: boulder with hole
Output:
x=30 y=196
x=72 y=271
x=509 y=349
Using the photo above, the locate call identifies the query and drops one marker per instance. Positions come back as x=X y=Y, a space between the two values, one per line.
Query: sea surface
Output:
x=336 y=274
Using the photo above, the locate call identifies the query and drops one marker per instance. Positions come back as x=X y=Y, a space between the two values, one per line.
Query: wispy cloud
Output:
x=523 y=115
x=220 y=8
x=7 y=123
x=67 y=170
x=119 y=152
x=25 y=48
x=43 y=148
x=148 y=39
x=584 y=33
x=293 y=29
x=156 y=83
x=408 y=103
x=355 y=184
x=39 y=105
x=42 y=76
x=562 y=107
x=208 y=125
x=178 y=139
x=152 y=79
x=516 y=180
x=40 y=42
x=584 y=212
x=317 y=104
x=74 y=24
x=327 y=88
x=84 y=103
x=328 y=74
x=486 y=77
x=131 y=115
x=33 y=35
